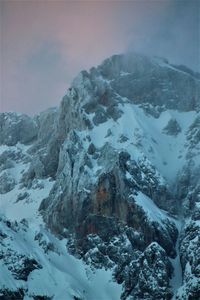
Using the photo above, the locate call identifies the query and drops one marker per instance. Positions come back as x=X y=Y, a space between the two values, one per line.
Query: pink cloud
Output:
x=84 y=32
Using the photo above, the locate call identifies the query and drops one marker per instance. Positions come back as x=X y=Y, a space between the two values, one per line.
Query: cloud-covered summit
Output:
x=46 y=43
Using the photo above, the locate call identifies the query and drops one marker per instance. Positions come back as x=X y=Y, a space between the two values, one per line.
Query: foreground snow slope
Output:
x=49 y=269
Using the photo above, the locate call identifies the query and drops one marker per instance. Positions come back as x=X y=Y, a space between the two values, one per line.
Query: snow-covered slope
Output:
x=33 y=262
x=110 y=177
x=144 y=135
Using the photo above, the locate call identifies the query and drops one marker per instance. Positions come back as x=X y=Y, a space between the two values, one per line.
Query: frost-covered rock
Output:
x=172 y=128
x=17 y=128
x=6 y=161
x=46 y=121
x=193 y=139
x=150 y=275
x=7 y=182
x=190 y=261
x=36 y=170
x=154 y=81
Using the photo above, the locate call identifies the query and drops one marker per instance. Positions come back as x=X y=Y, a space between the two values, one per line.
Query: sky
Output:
x=44 y=44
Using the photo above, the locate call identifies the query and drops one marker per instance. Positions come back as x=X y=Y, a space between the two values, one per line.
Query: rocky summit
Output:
x=100 y=198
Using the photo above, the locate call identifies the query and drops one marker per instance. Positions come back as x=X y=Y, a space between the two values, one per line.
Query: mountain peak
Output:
x=109 y=177
x=142 y=80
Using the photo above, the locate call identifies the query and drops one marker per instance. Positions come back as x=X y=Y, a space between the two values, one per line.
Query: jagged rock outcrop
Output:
x=172 y=128
x=7 y=183
x=17 y=128
x=150 y=275
x=152 y=81
x=190 y=260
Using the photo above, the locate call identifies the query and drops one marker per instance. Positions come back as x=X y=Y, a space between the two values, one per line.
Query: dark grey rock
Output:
x=22 y=196
x=7 y=183
x=6 y=294
x=91 y=149
x=100 y=117
x=172 y=128
x=27 y=265
x=17 y=128
x=146 y=81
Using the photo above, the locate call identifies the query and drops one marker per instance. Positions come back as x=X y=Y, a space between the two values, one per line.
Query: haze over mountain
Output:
x=45 y=44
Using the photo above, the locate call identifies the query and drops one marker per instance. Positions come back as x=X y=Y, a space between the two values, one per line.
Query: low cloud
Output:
x=46 y=43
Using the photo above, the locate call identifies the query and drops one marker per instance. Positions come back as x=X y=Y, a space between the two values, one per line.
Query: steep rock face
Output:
x=17 y=128
x=7 y=183
x=97 y=185
x=46 y=124
x=123 y=149
x=151 y=275
x=152 y=81
x=193 y=139
x=45 y=160
x=91 y=101
x=109 y=193
x=190 y=259
x=189 y=194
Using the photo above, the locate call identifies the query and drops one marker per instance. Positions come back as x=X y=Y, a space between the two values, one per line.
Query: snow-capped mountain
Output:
x=100 y=198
